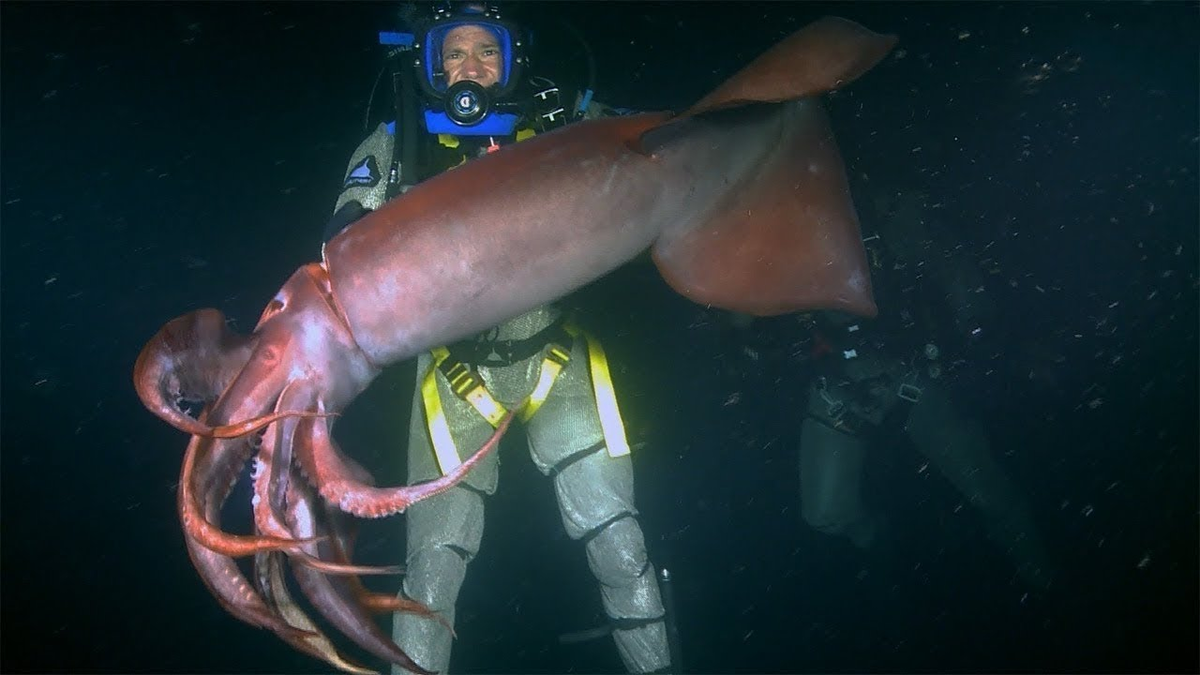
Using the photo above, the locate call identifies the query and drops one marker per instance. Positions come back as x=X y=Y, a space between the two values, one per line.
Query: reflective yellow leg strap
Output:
x=555 y=360
x=439 y=431
x=606 y=397
x=466 y=385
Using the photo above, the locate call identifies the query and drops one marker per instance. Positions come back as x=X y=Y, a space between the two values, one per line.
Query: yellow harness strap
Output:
x=606 y=395
x=557 y=357
x=435 y=416
x=468 y=386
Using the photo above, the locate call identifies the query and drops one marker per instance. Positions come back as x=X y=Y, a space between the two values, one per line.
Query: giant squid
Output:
x=742 y=201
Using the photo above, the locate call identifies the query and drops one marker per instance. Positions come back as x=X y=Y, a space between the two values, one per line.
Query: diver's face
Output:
x=471 y=53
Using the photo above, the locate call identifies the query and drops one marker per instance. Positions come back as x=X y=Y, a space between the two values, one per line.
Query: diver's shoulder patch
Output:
x=364 y=174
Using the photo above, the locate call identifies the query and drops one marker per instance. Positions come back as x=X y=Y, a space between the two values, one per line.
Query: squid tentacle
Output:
x=219 y=572
x=248 y=426
x=332 y=595
x=328 y=471
x=272 y=474
x=233 y=592
x=343 y=543
x=195 y=357
x=384 y=603
x=192 y=513
x=192 y=357
x=250 y=401
x=269 y=570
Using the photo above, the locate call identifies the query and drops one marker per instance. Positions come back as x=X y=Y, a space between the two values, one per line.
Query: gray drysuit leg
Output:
x=595 y=499
x=595 y=494
x=831 y=469
x=443 y=531
x=961 y=452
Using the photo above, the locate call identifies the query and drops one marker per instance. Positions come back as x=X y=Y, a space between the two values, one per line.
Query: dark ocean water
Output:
x=161 y=157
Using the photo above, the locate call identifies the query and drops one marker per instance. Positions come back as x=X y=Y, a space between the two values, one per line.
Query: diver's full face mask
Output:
x=466 y=107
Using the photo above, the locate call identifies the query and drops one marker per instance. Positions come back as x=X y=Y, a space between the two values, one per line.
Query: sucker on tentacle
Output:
x=272 y=476
x=219 y=572
x=191 y=510
x=343 y=542
x=328 y=471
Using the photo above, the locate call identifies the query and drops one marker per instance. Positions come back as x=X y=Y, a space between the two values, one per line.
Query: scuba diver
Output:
x=462 y=89
x=861 y=396
x=871 y=383
x=874 y=380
